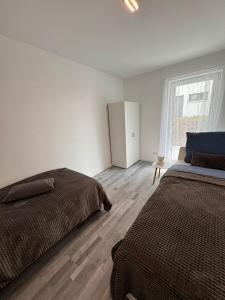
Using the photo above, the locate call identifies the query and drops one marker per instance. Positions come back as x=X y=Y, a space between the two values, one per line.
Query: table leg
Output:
x=156 y=169
x=159 y=173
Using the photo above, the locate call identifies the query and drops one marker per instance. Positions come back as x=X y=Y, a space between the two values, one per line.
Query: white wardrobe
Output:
x=124 y=124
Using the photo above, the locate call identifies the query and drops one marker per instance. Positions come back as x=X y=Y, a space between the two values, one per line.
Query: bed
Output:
x=176 y=247
x=30 y=227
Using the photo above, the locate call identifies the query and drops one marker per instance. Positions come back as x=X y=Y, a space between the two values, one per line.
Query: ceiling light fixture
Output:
x=132 y=5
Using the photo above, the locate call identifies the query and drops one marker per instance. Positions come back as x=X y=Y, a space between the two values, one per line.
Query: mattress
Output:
x=30 y=227
x=175 y=248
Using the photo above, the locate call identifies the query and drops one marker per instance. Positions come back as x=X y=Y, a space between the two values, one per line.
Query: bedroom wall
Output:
x=53 y=113
x=148 y=90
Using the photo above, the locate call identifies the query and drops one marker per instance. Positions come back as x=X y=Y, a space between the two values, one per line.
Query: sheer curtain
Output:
x=190 y=103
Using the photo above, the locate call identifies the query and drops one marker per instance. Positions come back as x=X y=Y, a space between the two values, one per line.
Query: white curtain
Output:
x=190 y=103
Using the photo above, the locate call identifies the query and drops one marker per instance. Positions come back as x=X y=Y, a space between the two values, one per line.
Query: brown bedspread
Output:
x=176 y=247
x=30 y=227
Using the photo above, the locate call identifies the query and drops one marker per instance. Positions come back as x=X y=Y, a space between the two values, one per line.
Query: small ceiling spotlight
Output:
x=132 y=5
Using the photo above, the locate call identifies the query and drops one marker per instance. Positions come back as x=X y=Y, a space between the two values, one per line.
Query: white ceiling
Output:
x=104 y=35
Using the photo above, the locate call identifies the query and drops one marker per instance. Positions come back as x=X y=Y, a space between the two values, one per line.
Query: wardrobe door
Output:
x=117 y=134
x=132 y=125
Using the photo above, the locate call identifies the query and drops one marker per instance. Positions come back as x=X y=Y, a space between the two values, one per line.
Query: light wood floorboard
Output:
x=80 y=266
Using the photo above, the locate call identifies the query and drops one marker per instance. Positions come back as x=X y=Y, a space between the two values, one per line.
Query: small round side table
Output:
x=158 y=168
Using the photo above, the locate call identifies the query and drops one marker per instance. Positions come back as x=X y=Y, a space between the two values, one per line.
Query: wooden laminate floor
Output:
x=80 y=266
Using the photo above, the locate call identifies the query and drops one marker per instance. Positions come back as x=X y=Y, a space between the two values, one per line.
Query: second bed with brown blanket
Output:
x=176 y=247
x=30 y=227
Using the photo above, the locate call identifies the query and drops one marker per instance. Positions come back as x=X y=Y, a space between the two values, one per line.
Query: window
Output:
x=191 y=103
x=179 y=103
x=199 y=97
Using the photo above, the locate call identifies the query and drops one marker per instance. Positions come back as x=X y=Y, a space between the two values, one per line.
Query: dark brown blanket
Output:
x=30 y=227
x=176 y=247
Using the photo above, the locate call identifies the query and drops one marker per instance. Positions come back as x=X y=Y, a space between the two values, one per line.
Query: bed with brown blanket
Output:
x=176 y=247
x=30 y=227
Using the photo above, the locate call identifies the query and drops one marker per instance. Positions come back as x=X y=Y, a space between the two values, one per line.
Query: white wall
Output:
x=148 y=90
x=53 y=113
